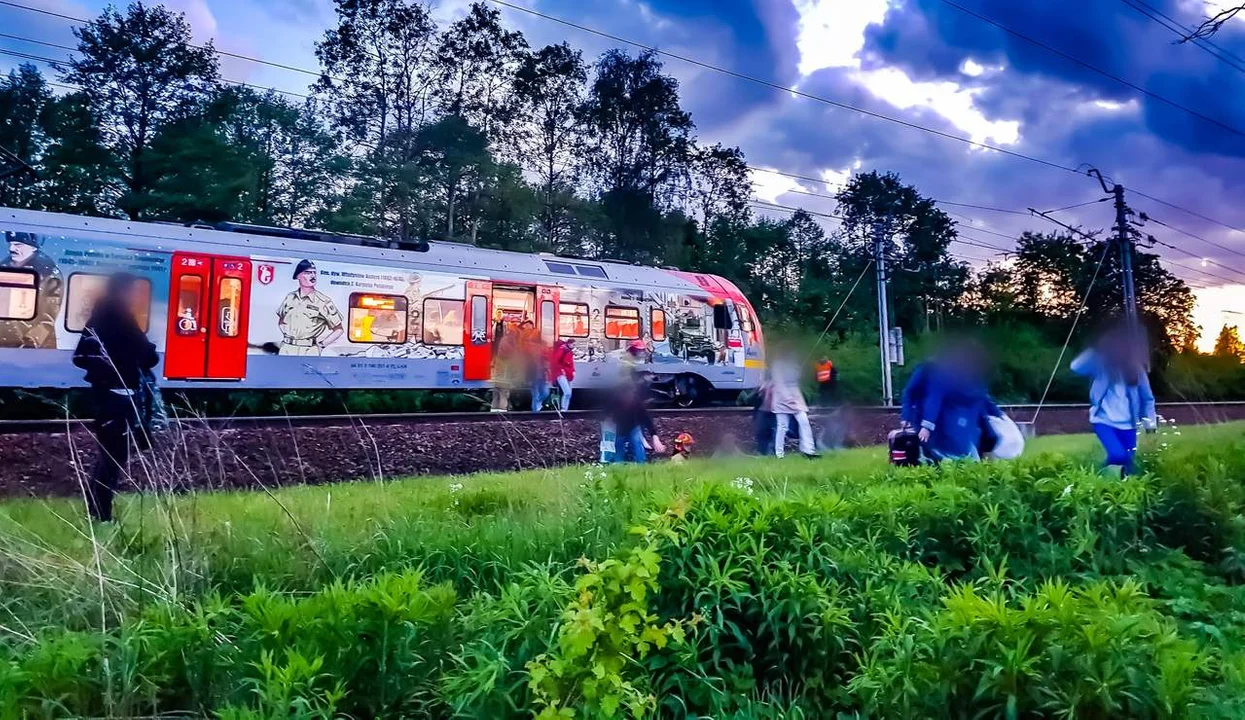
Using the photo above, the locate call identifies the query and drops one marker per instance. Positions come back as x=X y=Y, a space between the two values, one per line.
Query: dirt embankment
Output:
x=53 y=464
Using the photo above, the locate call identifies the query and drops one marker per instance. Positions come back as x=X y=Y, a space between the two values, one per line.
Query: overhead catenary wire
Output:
x=1194 y=236
x=211 y=48
x=698 y=63
x=1164 y=20
x=840 y=309
x=1092 y=239
x=1089 y=66
x=1076 y=319
x=788 y=90
x=1079 y=205
x=58 y=63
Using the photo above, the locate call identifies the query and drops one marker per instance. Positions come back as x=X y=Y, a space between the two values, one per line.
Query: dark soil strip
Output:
x=52 y=464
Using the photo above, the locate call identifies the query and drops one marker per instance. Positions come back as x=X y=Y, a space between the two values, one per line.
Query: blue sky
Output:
x=923 y=61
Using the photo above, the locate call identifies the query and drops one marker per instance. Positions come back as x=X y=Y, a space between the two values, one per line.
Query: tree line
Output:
x=467 y=133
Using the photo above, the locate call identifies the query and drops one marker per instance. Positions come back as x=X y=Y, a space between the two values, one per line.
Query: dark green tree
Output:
x=24 y=101
x=639 y=152
x=139 y=73
x=926 y=283
x=475 y=66
x=549 y=89
x=378 y=88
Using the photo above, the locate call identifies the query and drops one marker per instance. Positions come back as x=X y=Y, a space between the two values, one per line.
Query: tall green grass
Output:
x=748 y=588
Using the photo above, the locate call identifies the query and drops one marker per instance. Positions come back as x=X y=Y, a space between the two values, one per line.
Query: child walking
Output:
x=1120 y=397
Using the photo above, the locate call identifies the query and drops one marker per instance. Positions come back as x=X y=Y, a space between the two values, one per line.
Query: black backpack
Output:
x=905 y=448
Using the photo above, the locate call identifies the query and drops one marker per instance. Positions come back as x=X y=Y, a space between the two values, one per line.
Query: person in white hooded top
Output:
x=787 y=402
x=1119 y=395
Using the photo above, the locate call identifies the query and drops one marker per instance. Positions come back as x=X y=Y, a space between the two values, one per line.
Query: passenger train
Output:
x=240 y=306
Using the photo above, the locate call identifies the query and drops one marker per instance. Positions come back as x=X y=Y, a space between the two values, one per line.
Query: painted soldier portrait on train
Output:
x=307 y=318
x=25 y=251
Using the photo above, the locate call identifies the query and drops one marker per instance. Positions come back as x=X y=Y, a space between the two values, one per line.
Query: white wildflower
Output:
x=743 y=483
x=455 y=487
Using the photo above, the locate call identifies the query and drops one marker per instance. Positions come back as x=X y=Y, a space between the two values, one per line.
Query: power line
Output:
x=1186 y=233
x=1079 y=205
x=1092 y=67
x=1203 y=217
x=828 y=184
x=1166 y=21
x=1181 y=250
x=68 y=62
x=776 y=86
x=210 y=48
x=693 y=62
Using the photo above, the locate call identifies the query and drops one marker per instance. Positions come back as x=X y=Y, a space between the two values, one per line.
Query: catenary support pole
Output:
x=879 y=260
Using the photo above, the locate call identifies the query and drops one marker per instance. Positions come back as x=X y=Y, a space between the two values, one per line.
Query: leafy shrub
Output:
x=1038 y=588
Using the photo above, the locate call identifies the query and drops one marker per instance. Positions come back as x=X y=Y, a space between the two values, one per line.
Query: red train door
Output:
x=209 y=301
x=547 y=298
x=478 y=331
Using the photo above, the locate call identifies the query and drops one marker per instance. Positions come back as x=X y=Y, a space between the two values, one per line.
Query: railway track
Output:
x=1021 y=412
x=52 y=458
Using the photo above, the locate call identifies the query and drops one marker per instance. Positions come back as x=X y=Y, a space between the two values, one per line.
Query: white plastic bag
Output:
x=1009 y=441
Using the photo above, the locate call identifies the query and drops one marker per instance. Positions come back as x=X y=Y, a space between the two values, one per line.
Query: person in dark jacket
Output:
x=948 y=403
x=115 y=353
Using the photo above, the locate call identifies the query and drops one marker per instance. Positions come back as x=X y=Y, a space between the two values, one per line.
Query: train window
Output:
x=622 y=323
x=721 y=317
x=19 y=292
x=229 y=307
x=443 y=322
x=548 y=323
x=591 y=271
x=479 y=320
x=565 y=268
x=378 y=318
x=572 y=320
x=657 y=320
x=189 y=294
x=85 y=289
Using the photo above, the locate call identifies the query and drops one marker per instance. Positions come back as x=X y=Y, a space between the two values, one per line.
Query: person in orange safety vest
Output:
x=827 y=378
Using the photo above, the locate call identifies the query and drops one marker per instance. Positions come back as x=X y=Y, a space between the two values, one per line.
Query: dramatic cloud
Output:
x=921 y=61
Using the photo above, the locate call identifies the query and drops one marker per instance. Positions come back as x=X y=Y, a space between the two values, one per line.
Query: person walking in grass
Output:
x=115 y=353
x=1120 y=397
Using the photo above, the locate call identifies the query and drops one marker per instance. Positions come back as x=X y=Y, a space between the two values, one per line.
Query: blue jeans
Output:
x=630 y=447
x=565 y=386
x=540 y=391
x=1121 y=445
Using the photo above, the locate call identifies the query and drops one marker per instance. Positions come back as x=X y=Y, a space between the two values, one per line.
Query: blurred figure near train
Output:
x=827 y=381
x=763 y=422
x=505 y=359
x=26 y=251
x=627 y=415
x=1120 y=397
x=787 y=403
x=115 y=353
x=948 y=402
x=533 y=361
x=562 y=370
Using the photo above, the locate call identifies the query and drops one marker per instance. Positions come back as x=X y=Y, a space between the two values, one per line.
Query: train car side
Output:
x=240 y=310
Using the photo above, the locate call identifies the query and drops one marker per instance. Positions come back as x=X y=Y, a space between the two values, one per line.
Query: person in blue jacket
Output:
x=948 y=402
x=1120 y=398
